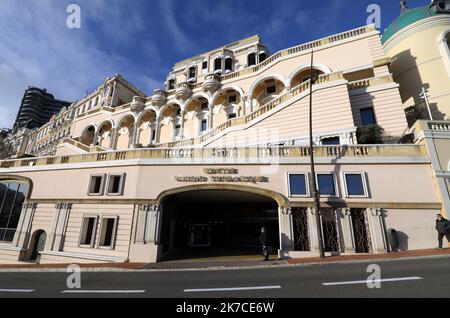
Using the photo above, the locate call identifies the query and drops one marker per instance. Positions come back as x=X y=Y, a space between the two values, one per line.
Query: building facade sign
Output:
x=226 y=175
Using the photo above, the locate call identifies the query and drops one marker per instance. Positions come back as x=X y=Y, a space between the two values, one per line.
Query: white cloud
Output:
x=36 y=48
x=168 y=12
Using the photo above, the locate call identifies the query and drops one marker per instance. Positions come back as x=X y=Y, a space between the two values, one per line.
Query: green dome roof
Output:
x=407 y=18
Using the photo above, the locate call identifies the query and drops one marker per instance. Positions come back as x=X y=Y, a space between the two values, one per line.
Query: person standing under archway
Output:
x=264 y=244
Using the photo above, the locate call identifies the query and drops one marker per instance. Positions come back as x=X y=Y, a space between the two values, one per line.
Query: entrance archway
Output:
x=216 y=223
x=37 y=245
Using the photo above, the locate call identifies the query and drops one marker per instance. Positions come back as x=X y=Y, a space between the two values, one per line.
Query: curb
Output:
x=221 y=268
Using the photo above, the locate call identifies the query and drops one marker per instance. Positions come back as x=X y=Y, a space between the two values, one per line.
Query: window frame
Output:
x=374 y=116
x=201 y=126
x=307 y=186
x=336 y=185
x=102 y=185
x=248 y=59
x=192 y=69
x=121 y=184
x=176 y=131
x=233 y=96
x=271 y=86
x=94 y=228
x=14 y=204
x=364 y=184
x=113 y=235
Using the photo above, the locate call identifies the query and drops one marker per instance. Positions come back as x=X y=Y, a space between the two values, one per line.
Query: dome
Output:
x=407 y=18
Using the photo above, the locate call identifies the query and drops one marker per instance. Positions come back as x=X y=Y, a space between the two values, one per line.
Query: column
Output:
x=55 y=239
x=244 y=105
x=210 y=117
x=181 y=136
x=114 y=132
x=23 y=232
x=249 y=104
x=141 y=224
x=347 y=231
x=137 y=135
x=61 y=227
x=158 y=129
x=286 y=230
x=96 y=139
x=377 y=230
x=148 y=230
x=132 y=136
x=313 y=230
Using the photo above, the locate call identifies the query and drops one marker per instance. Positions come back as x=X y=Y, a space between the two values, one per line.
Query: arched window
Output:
x=251 y=59
x=218 y=64
x=444 y=48
x=228 y=65
x=262 y=56
x=12 y=196
x=171 y=84
x=192 y=72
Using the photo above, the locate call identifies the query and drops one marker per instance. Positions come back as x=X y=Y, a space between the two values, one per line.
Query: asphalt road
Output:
x=412 y=278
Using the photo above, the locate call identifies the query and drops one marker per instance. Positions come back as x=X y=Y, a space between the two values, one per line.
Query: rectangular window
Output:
x=177 y=130
x=271 y=89
x=327 y=184
x=228 y=65
x=298 y=185
x=171 y=84
x=232 y=116
x=355 y=184
x=232 y=99
x=96 y=185
x=192 y=72
x=205 y=65
x=367 y=116
x=115 y=186
x=217 y=64
x=12 y=196
x=204 y=125
x=107 y=232
x=88 y=229
x=331 y=141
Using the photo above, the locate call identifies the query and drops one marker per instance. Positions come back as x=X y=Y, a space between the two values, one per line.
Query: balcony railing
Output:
x=254 y=115
x=371 y=82
x=232 y=152
x=299 y=49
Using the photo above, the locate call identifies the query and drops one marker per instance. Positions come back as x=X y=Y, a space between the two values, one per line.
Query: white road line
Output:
x=373 y=281
x=230 y=289
x=17 y=290
x=79 y=291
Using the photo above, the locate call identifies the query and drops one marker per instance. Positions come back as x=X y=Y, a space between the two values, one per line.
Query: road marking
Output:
x=230 y=289
x=79 y=291
x=373 y=281
x=17 y=290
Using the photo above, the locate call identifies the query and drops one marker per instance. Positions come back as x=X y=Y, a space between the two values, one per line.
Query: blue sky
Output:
x=142 y=39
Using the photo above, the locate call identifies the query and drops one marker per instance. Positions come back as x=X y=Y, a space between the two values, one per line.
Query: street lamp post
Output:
x=424 y=95
x=315 y=191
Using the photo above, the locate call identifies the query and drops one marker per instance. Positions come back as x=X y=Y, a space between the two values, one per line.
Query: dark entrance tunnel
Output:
x=212 y=223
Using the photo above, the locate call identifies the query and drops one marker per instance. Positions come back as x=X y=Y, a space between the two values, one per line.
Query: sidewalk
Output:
x=230 y=263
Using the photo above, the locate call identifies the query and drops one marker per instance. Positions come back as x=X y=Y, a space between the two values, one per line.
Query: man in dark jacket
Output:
x=443 y=228
x=263 y=241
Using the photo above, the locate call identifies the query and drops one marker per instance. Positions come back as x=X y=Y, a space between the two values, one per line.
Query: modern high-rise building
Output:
x=37 y=107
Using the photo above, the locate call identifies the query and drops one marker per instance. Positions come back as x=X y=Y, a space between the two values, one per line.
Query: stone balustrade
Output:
x=231 y=152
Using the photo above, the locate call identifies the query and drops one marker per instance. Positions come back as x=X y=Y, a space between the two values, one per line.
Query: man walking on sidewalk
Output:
x=443 y=228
